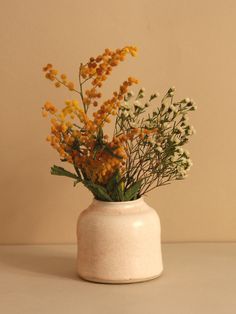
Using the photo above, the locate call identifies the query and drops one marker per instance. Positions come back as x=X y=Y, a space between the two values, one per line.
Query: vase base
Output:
x=124 y=281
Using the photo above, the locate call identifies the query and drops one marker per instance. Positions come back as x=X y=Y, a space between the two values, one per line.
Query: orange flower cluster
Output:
x=74 y=134
x=99 y=68
x=48 y=107
x=101 y=168
x=59 y=140
x=52 y=73
x=112 y=105
x=64 y=135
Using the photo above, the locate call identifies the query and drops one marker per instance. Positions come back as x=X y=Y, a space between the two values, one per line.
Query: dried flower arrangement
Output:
x=145 y=150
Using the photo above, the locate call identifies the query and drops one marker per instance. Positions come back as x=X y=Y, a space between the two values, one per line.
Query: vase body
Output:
x=119 y=242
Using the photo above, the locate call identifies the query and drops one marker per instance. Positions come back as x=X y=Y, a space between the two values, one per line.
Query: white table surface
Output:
x=197 y=279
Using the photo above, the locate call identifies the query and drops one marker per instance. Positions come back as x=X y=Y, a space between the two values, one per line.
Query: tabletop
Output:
x=198 y=278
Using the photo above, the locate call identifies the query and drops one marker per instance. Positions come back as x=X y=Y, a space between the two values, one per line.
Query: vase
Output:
x=119 y=242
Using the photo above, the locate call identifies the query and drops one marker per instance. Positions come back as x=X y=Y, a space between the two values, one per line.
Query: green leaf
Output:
x=120 y=192
x=98 y=191
x=100 y=135
x=115 y=187
x=132 y=192
x=84 y=174
x=99 y=145
x=113 y=181
x=59 y=171
x=95 y=150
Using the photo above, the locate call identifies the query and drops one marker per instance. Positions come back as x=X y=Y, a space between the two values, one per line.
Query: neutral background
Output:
x=188 y=44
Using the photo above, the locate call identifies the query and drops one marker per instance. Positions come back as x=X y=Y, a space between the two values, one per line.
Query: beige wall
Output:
x=189 y=44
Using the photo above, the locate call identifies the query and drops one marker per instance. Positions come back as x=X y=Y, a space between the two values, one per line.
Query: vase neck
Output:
x=119 y=207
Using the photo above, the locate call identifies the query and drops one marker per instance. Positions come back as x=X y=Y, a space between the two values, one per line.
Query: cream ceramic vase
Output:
x=119 y=242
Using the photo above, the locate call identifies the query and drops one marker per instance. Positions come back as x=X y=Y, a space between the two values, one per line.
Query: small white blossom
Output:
x=151 y=141
x=193 y=131
x=138 y=104
x=185 y=118
x=159 y=148
x=166 y=125
x=180 y=150
x=134 y=124
x=187 y=100
x=131 y=93
x=186 y=153
x=126 y=114
x=174 y=158
x=148 y=124
x=183 y=174
x=189 y=164
x=173 y=108
x=126 y=106
x=180 y=129
x=131 y=115
x=176 y=140
x=183 y=159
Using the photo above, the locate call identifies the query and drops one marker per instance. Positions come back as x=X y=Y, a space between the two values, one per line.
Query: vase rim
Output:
x=140 y=199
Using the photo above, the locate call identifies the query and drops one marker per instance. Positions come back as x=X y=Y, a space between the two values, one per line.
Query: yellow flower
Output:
x=75 y=103
x=72 y=123
x=48 y=106
x=70 y=85
x=132 y=50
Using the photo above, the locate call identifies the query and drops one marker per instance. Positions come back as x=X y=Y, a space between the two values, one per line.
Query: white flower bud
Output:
x=138 y=104
x=190 y=163
x=180 y=150
x=126 y=106
x=159 y=148
x=174 y=158
x=187 y=100
x=180 y=129
x=185 y=118
x=186 y=153
x=193 y=131
x=126 y=113
x=131 y=114
x=173 y=108
x=131 y=93
x=166 y=125
x=176 y=140
x=133 y=124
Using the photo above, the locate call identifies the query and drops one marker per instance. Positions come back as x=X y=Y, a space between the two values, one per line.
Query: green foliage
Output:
x=101 y=145
x=115 y=187
x=114 y=190
x=98 y=191
x=59 y=171
x=154 y=159
x=133 y=191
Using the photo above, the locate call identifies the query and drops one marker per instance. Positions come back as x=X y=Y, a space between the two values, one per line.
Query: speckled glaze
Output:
x=119 y=242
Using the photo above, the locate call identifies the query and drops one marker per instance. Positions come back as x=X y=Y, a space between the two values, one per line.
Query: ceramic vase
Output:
x=119 y=242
